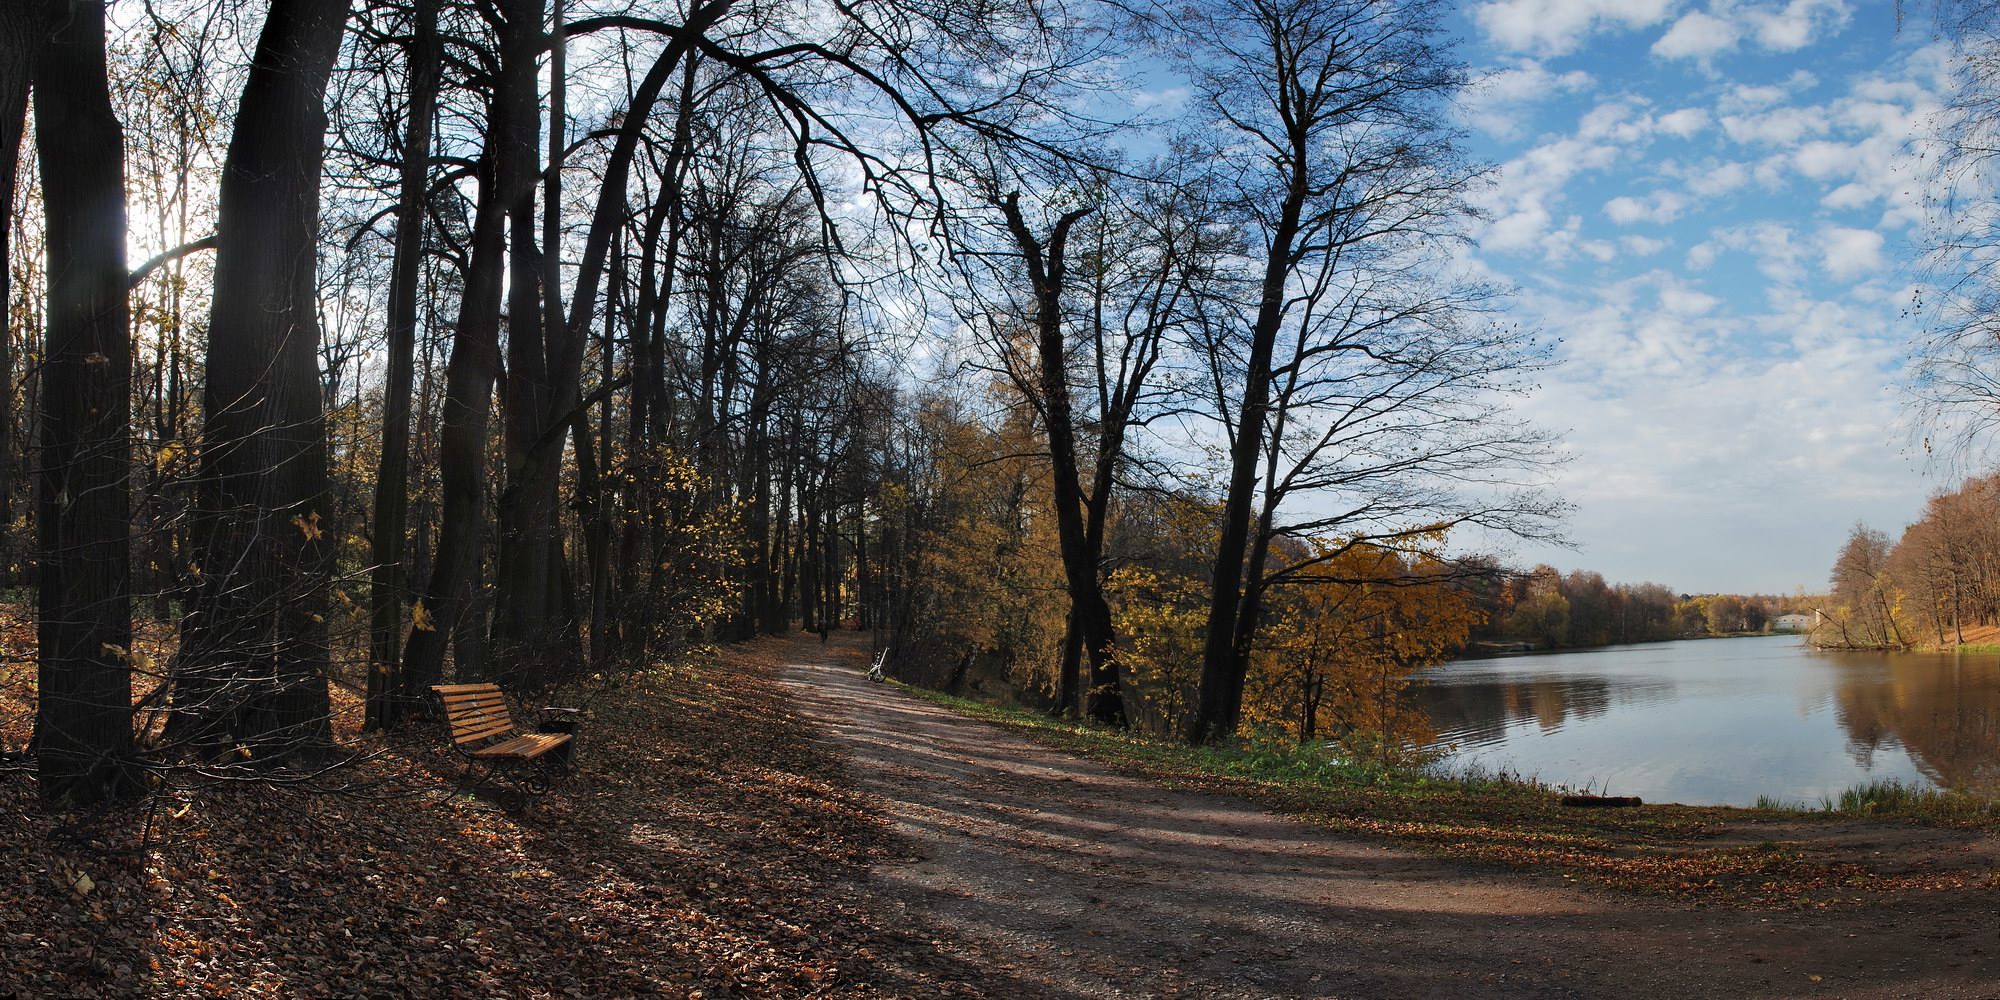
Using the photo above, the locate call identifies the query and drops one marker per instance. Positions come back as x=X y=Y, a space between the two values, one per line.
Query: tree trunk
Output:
x=451 y=598
x=523 y=614
x=83 y=721
x=254 y=645
x=392 y=481
x=1220 y=704
x=1069 y=673
x=1089 y=613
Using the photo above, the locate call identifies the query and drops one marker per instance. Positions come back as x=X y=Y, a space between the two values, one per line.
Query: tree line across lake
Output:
x=1547 y=609
x=1936 y=586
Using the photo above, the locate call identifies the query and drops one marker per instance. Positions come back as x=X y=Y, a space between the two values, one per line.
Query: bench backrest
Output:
x=475 y=711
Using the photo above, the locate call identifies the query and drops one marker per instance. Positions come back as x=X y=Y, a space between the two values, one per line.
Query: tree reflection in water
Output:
x=1943 y=709
x=1725 y=721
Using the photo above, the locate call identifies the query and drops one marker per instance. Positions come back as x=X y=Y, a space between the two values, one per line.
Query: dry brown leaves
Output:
x=706 y=847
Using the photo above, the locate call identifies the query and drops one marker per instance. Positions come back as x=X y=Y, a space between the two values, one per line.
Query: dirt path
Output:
x=1061 y=876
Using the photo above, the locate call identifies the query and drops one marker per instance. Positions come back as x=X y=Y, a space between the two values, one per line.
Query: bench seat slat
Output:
x=475 y=735
x=526 y=746
x=480 y=718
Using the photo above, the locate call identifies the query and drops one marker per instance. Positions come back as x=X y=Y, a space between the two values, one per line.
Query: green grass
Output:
x=1892 y=799
x=1313 y=778
x=1895 y=798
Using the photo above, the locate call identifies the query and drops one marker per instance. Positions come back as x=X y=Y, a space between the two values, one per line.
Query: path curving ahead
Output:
x=1064 y=878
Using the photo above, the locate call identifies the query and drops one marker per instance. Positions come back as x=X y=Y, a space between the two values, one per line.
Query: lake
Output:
x=1723 y=721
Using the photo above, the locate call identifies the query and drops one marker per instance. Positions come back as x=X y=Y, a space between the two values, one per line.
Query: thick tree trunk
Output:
x=451 y=598
x=831 y=611
x=1069 y=672
x=83 y=722
x=592 y=510
x=254 y=647
x=1219 y=707
x=392 y=481
x=810 y=559
x=524 y=616
x=1090 y=615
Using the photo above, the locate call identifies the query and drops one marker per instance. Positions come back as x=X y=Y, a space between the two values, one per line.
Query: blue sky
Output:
x=1716 y=207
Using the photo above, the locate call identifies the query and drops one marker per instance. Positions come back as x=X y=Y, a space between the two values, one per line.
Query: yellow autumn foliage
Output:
x=1339 y=649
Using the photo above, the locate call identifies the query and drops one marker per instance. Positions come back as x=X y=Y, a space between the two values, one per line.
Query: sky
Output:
x=1715 y=207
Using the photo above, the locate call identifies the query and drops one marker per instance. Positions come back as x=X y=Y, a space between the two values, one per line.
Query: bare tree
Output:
x=1954 y=368
x=1360 y=372
x=253 y=660
x=388 y=693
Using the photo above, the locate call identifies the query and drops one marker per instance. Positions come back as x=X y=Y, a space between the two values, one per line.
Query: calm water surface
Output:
x=1723 y=721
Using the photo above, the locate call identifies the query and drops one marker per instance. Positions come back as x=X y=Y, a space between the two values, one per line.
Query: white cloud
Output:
x=1794 y=26
x=1860 y=150
x=1851 y=253
x=1713 y=179
x=1779 y=255
x=1643 y=246
x=1501 y=99
x=1685 y=122
x=1771 y=316
x=1527 y=192
x=1623 y=121
x=1746 y=97
x=1696 y=36
x=1660 y=206
x=1680 y=300
x=1684 y=417
x=1555 y=27
x=1778 y=127
x=1703 y=35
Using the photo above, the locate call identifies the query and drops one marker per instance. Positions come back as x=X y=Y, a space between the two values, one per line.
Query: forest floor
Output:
x=1063 y=876
x=696 y=853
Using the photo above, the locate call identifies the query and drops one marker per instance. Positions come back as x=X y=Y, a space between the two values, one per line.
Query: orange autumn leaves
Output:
x=1338 y=649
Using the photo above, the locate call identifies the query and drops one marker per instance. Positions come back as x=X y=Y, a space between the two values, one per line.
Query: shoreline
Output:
x=1771 y=855
x=1475 y=653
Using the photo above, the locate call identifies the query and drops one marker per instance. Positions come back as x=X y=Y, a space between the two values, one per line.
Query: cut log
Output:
x=1601 y=801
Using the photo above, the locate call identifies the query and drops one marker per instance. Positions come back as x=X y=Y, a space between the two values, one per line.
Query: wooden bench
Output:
x=483 y=730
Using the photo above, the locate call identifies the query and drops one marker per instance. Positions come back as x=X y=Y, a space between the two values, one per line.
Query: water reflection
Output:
x=1725 y=720
x=1943 y=710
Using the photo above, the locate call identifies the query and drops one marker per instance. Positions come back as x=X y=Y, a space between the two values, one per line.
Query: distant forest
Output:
x=1547 y=609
